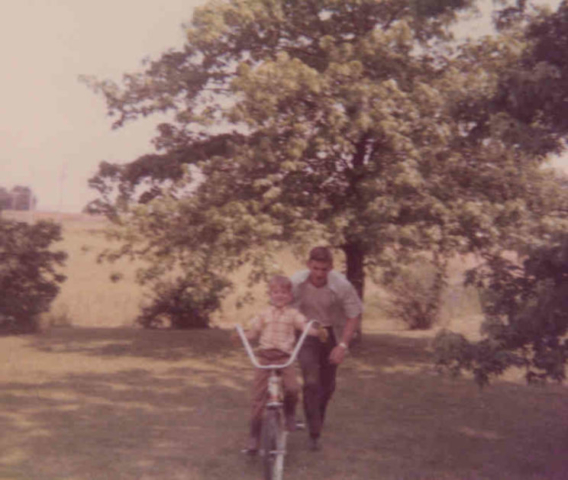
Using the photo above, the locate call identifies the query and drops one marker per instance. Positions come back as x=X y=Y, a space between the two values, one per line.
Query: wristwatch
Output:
x=344 y=346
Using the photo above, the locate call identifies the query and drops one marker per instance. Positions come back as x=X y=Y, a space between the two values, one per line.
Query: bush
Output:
x=29 y=281
x=526 y=318
x=415 y=294
x=183 y=304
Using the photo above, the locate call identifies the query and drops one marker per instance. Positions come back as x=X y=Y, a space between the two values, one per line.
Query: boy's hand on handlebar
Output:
x=319 y=331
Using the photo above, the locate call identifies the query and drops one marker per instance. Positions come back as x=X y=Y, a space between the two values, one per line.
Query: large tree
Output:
x=525 y=301
x=358 y=123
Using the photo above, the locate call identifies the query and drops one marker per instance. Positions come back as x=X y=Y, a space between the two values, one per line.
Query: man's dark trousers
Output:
x=319 y=379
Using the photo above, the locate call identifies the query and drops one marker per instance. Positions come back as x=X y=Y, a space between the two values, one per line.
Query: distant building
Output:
x=19 y=198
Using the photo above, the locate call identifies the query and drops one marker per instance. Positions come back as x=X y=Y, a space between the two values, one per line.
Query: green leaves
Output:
x=526 y=320
x=353 y=122
x=29 y=275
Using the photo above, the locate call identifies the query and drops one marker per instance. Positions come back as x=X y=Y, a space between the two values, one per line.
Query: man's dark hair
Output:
x=321 y=254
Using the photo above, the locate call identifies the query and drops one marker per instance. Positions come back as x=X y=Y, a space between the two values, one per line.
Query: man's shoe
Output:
x=314 y=444
x=252 y=448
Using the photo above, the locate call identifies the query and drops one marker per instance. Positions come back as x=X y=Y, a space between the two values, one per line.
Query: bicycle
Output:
x=273 y=436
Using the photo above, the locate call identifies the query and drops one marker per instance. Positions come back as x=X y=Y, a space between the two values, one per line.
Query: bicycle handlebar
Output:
x=292 y=358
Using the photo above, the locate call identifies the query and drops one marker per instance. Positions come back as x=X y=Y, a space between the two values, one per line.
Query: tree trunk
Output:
x=354 y=257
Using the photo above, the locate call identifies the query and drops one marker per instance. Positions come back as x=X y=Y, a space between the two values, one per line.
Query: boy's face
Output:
x=280 y=296
x=318 y=272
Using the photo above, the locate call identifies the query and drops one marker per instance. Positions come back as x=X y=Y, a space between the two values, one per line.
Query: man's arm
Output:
x=353 y=308
x=337 y=355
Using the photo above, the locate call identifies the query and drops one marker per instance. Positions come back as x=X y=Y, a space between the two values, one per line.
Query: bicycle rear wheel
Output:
x=269 y=442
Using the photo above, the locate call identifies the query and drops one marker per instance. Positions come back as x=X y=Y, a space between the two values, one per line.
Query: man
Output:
x=325 y=295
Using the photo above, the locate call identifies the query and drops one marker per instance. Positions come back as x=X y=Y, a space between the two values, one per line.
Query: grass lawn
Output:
x=102 y=403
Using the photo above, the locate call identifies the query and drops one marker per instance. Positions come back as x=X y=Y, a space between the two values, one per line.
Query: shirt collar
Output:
x=332 y=280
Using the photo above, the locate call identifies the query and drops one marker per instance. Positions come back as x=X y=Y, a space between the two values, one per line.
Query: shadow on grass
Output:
x=165 y=418
x=156 y=421
x=171 y=345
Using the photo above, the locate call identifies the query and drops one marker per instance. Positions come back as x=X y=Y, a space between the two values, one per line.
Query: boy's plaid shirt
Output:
x=277 y=327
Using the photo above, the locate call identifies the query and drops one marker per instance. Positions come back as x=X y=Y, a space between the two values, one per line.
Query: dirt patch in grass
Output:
x=151 y=405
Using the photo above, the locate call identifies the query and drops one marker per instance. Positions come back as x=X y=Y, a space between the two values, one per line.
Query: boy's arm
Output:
x=253 y=332
x=250 y=335
x=320 y=332
x=316 y=330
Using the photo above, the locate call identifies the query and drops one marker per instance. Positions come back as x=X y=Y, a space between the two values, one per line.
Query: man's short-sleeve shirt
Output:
x=336 y=301
x=317 y=303
x=277 y=327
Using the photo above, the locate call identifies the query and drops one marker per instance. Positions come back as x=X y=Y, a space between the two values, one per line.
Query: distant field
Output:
x=90 y=298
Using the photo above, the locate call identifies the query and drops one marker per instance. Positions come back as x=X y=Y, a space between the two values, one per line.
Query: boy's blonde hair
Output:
x=280 y=281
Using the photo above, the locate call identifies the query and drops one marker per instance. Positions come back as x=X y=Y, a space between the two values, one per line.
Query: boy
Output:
x=275 y=328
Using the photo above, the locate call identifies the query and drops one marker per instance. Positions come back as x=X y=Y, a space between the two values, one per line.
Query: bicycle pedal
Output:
x=251 y=452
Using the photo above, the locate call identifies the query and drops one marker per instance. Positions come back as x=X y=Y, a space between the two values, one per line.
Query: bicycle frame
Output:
x=275 y=394
x=292 y=358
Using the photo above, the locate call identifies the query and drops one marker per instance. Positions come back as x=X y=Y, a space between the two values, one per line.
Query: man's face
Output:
x=318 y=272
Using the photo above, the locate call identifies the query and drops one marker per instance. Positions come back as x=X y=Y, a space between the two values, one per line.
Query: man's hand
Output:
x=337 y=355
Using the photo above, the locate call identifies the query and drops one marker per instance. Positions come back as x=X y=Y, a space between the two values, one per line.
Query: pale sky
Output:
x=50 y=123
x=53 y=130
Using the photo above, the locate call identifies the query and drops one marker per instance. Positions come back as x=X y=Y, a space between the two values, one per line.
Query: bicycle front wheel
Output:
x=269 y=443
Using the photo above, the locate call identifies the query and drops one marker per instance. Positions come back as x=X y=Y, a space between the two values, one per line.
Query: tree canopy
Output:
x=535 y=91
x=358 y=123
x=525 y=302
